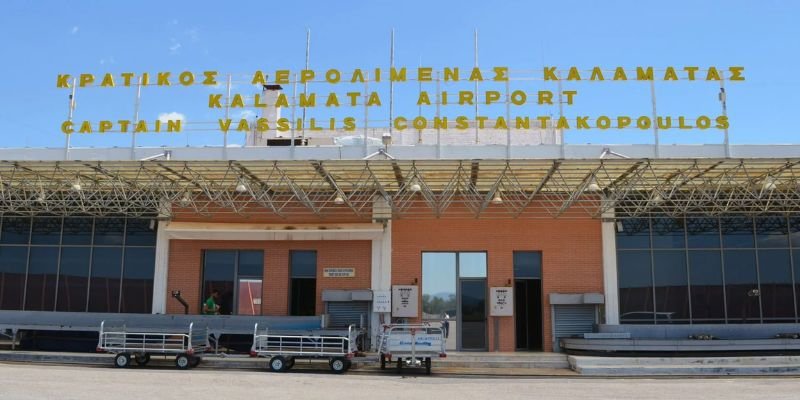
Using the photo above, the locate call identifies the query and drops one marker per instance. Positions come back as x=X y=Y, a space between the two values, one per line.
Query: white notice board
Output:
x=405 y=302
x=502 y=299
x=382 y=301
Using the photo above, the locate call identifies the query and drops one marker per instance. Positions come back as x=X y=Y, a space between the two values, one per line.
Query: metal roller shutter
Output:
x=344 y=313
x=572 y=319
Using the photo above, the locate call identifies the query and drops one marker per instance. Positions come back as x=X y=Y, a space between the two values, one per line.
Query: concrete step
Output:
x=505 y=360
x=689 y=366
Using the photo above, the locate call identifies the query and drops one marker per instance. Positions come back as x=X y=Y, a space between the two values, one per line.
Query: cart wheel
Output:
x=122 y=360
x=195 y=361
x=383 y=361
x=338 y=365
x=142 y=359
x=289 y=363
x=277 y=364
x=427 y=365
x=183 y=361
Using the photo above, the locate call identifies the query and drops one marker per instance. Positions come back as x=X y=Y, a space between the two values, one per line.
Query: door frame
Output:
x=541 y=316
x=459 y=322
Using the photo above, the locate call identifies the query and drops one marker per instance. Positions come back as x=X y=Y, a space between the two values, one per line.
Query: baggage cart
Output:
x=283 y=348
x=187 y=345
x=411 y=345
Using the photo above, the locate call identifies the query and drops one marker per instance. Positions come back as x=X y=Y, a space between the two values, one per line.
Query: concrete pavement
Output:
x=27 y=382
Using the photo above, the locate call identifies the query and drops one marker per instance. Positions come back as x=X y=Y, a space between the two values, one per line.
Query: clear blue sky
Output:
x=41 y=39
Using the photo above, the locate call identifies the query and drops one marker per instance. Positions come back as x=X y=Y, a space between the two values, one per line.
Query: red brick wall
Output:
x=185 y=269
x=571 y=256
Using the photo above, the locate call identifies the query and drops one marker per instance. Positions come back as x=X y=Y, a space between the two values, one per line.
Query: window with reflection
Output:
x=76 y=264
x=732 y=269
x=40 y=292
x=671 y=286
x=635 y=287
x=775 y=278
x=438 y=285
x=707 y=286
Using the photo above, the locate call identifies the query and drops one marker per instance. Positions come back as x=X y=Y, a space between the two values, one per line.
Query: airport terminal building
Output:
x=514 y=246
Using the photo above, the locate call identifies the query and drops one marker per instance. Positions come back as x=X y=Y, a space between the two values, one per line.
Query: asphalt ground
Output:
x=52 y=381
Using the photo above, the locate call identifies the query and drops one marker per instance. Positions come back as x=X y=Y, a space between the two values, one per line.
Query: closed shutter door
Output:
x=572 y=319
x=345 y=313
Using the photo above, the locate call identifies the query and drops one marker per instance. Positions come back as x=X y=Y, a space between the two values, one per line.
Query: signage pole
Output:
x=655 y=120
x=366 y=113
x=419 y=108
x=391 y=84
x=305 y=84
x=227 y=115
x=136 y=117
x=508 y=120
x=294 y=106
x=70 y=115
x=560 y=115
x=438 y=105
x=723 y=98
x=476 y=87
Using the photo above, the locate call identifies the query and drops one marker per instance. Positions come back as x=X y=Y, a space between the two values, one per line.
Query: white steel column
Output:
x=161 y=269
x=610 y=287
x=381 y=275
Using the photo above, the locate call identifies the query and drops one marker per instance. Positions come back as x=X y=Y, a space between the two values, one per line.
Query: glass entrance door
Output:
x=472 y=324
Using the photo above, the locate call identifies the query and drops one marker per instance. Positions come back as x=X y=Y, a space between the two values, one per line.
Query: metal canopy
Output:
x=411 y=189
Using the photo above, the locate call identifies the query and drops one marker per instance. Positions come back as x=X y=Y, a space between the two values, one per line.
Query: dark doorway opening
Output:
x=528 y=314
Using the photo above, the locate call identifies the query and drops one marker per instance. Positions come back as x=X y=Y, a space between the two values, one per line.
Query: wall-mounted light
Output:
x=593 y=186
x=76 y=185
x=769 y=183
x=242 y=186
x=498 y=199
x=415 y=281
x=186 y=199
x=338 y=200
x=415 y=188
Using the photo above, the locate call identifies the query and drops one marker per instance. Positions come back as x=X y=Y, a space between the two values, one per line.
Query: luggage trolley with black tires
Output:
x=283 y=349
x=411 y=345
x=186 y=345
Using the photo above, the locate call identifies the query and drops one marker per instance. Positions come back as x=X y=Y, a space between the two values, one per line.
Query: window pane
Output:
x=138 y=232
x=13 y=261
x=796 y=261
x=77 y=231
x=794 y=231
x=73 y=279
x=635 y=234
x=16 y=230
x=137 y=280
x=438 y=285
x=777 y=294
x=303 y=264
x=251 y=263
x=705 y=276
x=109 y=231
x=668 y=233
x=303 y=299
x=528 y=264
x=472 y=265
x=46 y=230
x=249 y=297
x=737 y=232
x=740 y=282
x=702 y=233
x=635 y=287
x=219 y=273
x=672 y=286
x=105 y=279
x=772 y=231
x=42 y=273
